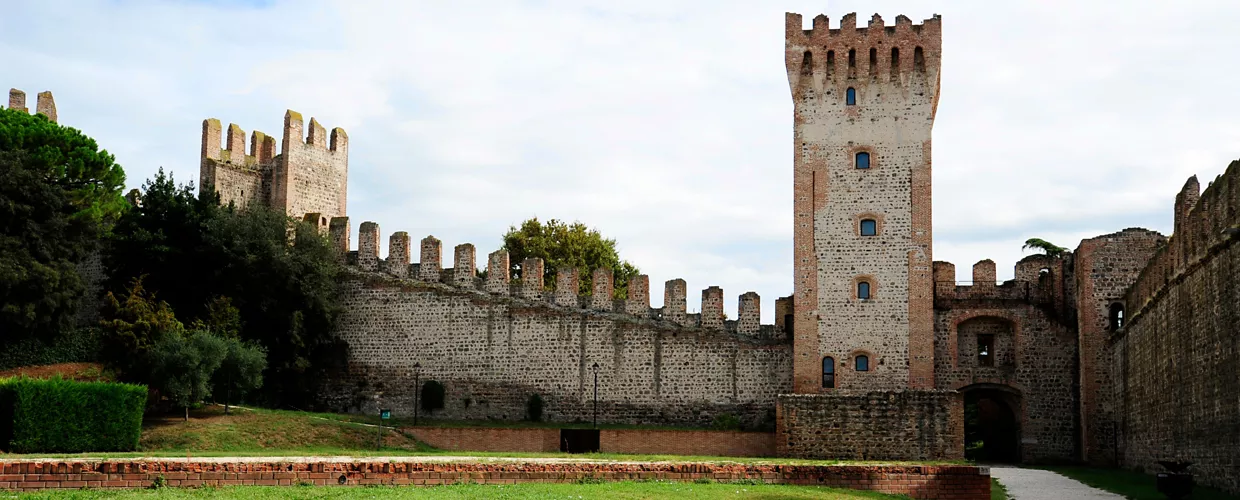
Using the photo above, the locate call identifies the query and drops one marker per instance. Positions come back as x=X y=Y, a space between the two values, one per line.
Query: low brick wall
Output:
x=488 y=439
x=701 y=443
x=879 y=425
x=920 y=482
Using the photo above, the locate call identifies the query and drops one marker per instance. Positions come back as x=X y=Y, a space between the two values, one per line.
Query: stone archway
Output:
x=992 y=423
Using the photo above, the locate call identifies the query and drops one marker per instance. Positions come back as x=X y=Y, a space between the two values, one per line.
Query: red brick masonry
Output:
x=922 y=482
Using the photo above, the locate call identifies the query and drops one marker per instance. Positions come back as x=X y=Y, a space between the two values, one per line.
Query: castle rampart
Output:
x=1173 y=347
x=493 y=346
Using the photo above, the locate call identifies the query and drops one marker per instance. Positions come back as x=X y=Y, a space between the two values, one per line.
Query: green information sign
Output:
x=385 y=414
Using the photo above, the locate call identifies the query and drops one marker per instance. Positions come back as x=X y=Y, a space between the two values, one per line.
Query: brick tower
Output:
x=864 y=103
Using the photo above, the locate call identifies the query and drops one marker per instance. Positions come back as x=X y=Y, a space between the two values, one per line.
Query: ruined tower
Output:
x=45 y=106
x=308 y=177
x=864 y=101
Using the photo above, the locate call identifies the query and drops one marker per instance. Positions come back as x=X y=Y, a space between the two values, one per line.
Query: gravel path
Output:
x=1034 y=484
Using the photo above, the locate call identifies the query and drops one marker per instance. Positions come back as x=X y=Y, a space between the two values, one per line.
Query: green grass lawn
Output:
x=997 y=491
x=259 y=432
x=1132 y=485
x=623 y=490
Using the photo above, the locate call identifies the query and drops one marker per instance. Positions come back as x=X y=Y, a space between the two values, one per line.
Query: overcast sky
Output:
x=665 y=124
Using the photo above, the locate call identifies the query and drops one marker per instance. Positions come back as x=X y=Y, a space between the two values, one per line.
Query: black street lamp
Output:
x=595 y=368
x=417 y=390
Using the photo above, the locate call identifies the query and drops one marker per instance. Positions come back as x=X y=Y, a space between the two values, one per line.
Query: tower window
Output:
x=986 y=349
x=1116 y=317
x=850 y=96
x=869 y=227
x=830 y=62
x=807 y=63
x=862 y=363
x=863 y=160
x=873 y=60
x=895 y=60
x=828 y=372
x=788 y=323
x=919 y=60
x=852 y=58
x=863 y=290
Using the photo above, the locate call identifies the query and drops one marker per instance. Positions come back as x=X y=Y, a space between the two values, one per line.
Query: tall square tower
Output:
x=864 y=101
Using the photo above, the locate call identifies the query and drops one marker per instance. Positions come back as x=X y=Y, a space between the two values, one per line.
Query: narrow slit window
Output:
x=863 y=290
x=850 y=96
x=862 y=363
x=830 y=62
x=863 y=160
x=788 y=323
x=869 y=227
x=895 y=60
x=852 y=58
x=986 y=349
x=807 y=63
x=919 y=60
x=828 y=372
x=873 y=60
x=1117 y=316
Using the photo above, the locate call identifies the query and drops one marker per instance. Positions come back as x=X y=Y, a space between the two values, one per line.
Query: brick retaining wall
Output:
x=700 y=443
x=921 y=482
x=629 y=441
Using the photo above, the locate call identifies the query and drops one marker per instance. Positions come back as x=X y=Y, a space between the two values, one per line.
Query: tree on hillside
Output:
x=1046 y=247
x=58 y=192
x=269 y=278
x=133 y=323
x=182 y=365
x=560 y=244
x=240 y=372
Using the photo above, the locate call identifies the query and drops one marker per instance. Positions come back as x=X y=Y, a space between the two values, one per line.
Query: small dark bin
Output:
x=1176 y=484
x=579 y=440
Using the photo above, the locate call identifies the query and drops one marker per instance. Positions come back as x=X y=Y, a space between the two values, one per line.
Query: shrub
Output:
x=534 y=408
x=432 y=396
x=726 y=422
x=72 y=346
x=64 y=416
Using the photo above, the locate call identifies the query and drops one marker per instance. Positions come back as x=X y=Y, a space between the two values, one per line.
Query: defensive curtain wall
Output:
x=1176 y=357
x=493 y=344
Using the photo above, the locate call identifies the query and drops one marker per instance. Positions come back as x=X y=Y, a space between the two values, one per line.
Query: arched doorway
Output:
x=991 y=423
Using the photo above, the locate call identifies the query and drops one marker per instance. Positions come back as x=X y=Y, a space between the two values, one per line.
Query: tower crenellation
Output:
x=308 y=175
x=44 y=105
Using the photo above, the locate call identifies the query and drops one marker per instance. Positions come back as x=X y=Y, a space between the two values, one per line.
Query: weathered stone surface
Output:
x=871 y=425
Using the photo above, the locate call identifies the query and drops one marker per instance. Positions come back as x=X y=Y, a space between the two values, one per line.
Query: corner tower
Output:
x=864 y=101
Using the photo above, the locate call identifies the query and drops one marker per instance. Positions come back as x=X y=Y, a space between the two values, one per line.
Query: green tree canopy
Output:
x=58 y=191
x=132 y=324
x=279 y=278
x=182 y=366
x=1039 y=244
x=560 y=244
x=240 y=372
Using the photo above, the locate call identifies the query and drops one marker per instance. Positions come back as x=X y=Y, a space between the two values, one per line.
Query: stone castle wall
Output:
x=893 y=72
x=495 y=344
x=1177 y=359
x=871 y=425
x=1034 y=354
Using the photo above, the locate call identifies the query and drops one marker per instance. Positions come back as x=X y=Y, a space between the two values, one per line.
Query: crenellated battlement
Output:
x=1038 y=279
x=309 y=175
x=852 y=55
x=531 y=288
x=45 y=105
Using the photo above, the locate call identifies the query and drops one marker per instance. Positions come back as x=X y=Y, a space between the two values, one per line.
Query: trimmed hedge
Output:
x=65 y=416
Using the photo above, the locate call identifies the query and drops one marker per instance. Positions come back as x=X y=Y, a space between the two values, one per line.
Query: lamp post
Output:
x=595 y=368
x=417 y=390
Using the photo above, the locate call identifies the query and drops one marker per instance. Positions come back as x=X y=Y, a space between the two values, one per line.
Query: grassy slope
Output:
x=286 y=433
x=628 y=490
x=1131 y=484
x=997 y=491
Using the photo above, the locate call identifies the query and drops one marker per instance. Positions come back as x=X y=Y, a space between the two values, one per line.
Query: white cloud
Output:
x=666 y=124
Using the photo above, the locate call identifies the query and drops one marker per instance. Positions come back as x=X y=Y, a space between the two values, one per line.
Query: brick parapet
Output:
x=944 y=482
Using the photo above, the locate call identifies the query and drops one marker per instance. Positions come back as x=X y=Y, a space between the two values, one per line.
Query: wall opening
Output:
x=991 y=424
x=863 y=160
x=1115 y=318
x=828 y=372
x=830 y=62
x=579 y=440
x=787 y=323
x=873 y=61
x=807 y=64
x=869 y=227
x=850 y=96
x=986 y=349
x=863 y=290
x=919 y=60
x=852 y=58
x=861 y=363
x=895 y=61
